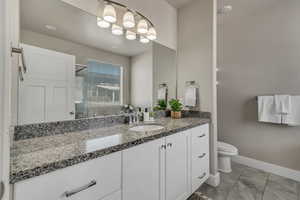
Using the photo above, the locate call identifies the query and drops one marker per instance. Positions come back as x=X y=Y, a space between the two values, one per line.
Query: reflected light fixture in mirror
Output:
x=130 y=35
x=117 y=30
x=102 y=23
x=144 y=40
x=152 y=35
x=142 y=27
x=109 y=14
x=128 y=20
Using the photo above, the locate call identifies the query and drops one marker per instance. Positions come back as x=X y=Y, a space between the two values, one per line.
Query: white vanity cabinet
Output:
x=176 y=167
x=142 y=168
x=98 y=179
x=169 y=168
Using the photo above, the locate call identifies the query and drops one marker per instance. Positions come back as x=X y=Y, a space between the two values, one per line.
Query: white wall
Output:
x=142 y=79
x=162 y=14
x=1 y=78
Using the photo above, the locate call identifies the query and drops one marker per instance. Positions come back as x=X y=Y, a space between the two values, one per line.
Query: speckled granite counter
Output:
x=41 y=155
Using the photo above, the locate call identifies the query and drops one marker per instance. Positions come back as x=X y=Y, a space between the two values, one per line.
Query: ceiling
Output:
x=178 y=3
x=74 y=25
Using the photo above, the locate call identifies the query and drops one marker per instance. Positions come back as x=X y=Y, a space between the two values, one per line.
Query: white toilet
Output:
x=225 y=152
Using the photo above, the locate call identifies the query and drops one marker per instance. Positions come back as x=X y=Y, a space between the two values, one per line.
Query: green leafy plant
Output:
x=175 y=105
x=161 y=105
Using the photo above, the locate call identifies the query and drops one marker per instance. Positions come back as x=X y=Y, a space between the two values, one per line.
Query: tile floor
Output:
x=246 y=183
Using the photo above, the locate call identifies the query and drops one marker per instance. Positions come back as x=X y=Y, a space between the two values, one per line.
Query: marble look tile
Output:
x=279 y=188
x=254 y=178
x=243 y=191
x=215 y=193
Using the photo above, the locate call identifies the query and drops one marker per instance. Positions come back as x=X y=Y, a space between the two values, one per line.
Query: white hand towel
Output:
x=162 y=93
x=293 y=118
x=190 y=98
x=283 y=104
x=266 y=110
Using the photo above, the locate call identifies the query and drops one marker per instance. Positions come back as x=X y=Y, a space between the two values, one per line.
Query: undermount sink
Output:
x=146 y=128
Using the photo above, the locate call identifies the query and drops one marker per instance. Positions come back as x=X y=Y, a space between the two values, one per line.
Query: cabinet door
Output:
x=142 y=170
x=177 y=187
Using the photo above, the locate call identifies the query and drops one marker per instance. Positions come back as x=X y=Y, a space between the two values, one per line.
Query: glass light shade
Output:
x=117 y=30
x=128 y=20
x=142 y=27
x=102 y=23
x=152 y=35
x=144 y=40
x=130 y=35
x=109 y=14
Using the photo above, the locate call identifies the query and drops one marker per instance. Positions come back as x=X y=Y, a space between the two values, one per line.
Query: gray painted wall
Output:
x=82 y=53
x=259 y=52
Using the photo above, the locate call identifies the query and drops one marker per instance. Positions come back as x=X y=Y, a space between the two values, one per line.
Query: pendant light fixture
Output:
x=142 y=26
x=133 y=23
x=117 y=30
x=130 y=35
x=128 y=20
x=152 y=35
x=109 y=14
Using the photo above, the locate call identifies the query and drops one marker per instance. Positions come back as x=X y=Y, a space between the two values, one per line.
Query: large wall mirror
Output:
x=76 y=69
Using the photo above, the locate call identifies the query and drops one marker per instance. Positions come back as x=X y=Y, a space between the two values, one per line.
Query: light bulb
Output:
x=117 y=30
x=102 y=23
x=128 y=20
x=144 y=40
x=109 y=14
x=142 y=27
x=130 y=35
x=152 y=35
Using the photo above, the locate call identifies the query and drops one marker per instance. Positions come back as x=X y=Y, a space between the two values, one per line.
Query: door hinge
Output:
x=2 y=187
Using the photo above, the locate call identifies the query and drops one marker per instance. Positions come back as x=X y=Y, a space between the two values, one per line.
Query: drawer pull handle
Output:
x=201 y=177
x=201 y=136
x=163 y=146
x=169 y=145
x=75 y=191
x=202 y=156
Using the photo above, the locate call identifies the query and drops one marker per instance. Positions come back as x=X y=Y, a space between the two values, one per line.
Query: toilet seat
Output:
x=225 y=148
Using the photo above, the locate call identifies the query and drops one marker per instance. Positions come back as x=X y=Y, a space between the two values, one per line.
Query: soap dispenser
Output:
x=146 y=115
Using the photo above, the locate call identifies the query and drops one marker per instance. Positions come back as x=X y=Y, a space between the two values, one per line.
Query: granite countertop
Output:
x=41 y=155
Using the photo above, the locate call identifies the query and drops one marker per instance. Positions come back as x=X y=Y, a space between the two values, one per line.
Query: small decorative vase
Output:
x=176 y=115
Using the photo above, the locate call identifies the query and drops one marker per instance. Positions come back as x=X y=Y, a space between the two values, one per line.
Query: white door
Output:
x=46 y=94
x=177 y=187
x=142 y=171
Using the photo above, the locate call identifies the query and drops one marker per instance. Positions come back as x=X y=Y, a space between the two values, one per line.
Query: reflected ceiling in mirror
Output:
x=59 y=19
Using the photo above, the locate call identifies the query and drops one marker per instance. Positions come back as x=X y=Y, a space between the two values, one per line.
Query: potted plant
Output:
x=176 y=108
x=161 y=105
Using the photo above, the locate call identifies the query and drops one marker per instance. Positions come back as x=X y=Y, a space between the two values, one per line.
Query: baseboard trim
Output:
x=268 y=167
x=214 y=180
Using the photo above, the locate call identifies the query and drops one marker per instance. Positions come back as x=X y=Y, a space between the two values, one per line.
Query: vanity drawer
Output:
x=200 y=140
x=91 y=180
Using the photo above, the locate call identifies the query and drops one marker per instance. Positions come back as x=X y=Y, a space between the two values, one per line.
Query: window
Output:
x=103 y=84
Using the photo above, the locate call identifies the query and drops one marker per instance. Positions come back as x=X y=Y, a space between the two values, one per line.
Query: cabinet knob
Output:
x=163 y=146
